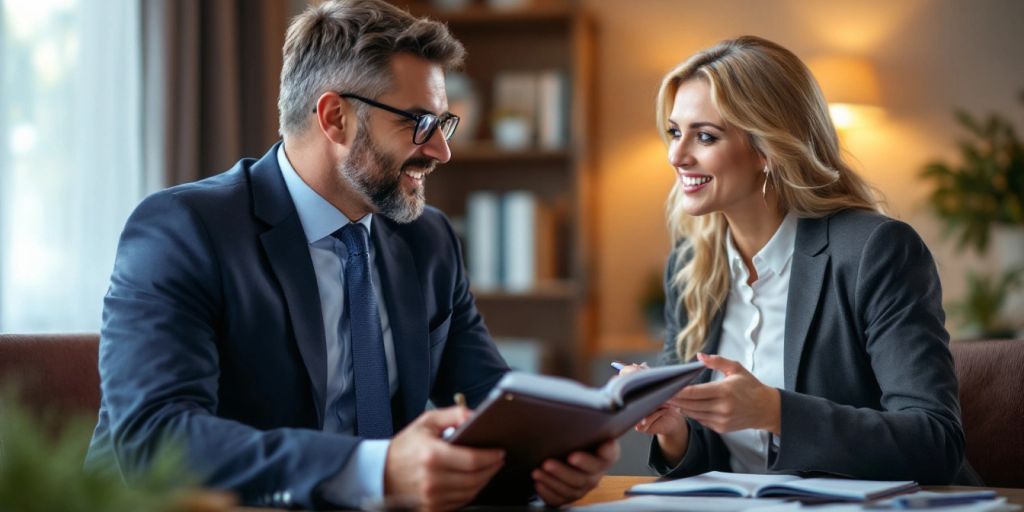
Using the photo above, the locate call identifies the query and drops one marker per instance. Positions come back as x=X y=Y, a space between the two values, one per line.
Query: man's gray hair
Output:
x=346 y=46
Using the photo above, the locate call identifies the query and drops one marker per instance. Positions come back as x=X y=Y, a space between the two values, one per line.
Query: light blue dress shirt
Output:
x=362 y=478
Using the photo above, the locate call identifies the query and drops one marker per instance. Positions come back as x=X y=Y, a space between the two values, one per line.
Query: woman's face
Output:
x=717 y=167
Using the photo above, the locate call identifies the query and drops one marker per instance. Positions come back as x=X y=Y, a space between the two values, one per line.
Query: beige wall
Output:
x=931 y=55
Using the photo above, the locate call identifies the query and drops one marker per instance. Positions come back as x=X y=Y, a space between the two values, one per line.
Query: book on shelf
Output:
x=483 y=244
x=515 y=108
x=518 y=231
x=522 y=354
x=537 y=99
x=511 y=240
x=745 y=485
x=552 y=110
x=536 y=417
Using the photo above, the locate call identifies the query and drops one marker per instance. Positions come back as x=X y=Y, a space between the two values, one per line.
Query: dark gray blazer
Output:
x=870 y=390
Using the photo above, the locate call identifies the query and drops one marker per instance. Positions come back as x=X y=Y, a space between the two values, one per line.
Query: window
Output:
x=70 y=156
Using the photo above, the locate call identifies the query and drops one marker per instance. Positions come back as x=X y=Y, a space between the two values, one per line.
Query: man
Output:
x=283 y=319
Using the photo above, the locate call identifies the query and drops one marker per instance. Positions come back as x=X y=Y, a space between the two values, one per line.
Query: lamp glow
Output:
x=850 y=85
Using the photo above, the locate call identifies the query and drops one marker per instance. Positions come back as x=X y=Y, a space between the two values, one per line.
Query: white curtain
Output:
x=70 y=156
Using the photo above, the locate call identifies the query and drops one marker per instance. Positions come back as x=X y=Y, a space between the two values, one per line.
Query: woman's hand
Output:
x=668 y=423
x=737 y=402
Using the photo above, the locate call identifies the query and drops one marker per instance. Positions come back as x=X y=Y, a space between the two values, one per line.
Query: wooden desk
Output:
x=614 y=488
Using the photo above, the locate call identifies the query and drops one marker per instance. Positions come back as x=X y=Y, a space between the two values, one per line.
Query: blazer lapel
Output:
x=288 y=252
x=807 y=276
x=407 y=315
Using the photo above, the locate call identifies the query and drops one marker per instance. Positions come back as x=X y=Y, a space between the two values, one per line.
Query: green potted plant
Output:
x=981 y=201
x=984 y=190
x=986 y=295
x=41 y=471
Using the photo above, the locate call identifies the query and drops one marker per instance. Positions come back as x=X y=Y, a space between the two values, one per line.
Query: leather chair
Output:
x=991 y=377
x=55 y=374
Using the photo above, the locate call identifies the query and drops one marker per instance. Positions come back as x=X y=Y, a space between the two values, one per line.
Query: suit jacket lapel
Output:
x=288 y=252
x=407 y=315
x=807 y=276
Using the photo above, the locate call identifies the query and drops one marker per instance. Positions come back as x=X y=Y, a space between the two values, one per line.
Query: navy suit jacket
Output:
x=870 y=390
x=213 y=335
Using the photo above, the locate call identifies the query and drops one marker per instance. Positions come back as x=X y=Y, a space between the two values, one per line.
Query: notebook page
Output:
x=858 y=490
x=554 y=388
x=679 y=504
x=619 y=387
x=714 y=483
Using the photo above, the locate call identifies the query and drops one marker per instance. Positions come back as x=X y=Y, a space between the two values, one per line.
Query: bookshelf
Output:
x=557 y=38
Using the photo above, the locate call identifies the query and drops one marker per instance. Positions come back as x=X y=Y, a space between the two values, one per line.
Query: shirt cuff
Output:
x=362 y=478
x=773 y=450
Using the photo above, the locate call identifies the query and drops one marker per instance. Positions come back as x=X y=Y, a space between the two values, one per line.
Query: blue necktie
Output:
x=369 y=364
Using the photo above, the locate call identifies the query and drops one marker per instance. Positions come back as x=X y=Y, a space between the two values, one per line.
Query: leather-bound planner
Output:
x=536 y=417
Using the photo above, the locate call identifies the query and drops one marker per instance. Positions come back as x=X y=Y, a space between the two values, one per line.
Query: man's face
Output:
x=384 y=165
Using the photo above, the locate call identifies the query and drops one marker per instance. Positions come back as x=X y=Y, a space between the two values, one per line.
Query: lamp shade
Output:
x=846 y=80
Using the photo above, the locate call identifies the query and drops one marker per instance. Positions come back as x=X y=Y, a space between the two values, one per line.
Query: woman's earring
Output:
x=764 y=187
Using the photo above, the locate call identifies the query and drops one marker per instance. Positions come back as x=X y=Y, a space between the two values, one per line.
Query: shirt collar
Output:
x=773 y=256
x=319 y=218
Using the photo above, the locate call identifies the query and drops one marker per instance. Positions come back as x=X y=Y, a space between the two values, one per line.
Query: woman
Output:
x=824 y=315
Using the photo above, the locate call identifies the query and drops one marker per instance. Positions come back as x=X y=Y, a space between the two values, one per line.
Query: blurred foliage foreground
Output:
x=41 y=470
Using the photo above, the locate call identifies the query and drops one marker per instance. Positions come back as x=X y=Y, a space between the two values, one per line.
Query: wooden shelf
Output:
x=544 y=36
x=486 y=153
x=553 y=290
x=483 y=16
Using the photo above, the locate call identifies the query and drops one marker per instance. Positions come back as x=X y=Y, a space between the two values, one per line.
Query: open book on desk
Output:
x=536 y=417
x=717 y=483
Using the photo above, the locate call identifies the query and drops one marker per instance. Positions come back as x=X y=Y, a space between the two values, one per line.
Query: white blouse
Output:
x=753 y=331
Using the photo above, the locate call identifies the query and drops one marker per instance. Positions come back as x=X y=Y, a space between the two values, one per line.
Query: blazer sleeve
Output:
x=705 y=449
x=917 y=434
x=159 y=369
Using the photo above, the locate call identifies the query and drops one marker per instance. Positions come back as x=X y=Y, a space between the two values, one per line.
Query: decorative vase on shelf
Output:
x=450 y=5
x=512 y=133
x=463 y=102
x=505 y=5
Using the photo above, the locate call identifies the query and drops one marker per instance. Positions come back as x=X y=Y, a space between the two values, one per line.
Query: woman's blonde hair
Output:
x=766 y=91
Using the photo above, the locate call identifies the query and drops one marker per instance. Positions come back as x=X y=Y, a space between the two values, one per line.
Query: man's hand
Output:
x=558 y=483
x=429 y=472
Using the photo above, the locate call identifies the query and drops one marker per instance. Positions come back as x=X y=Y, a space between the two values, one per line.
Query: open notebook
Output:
x=537 y=417
x=717 y=483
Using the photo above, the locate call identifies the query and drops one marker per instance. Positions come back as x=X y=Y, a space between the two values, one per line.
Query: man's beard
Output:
x=378 y=177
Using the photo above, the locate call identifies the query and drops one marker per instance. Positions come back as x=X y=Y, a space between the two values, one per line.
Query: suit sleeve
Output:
x=702 y=441
x=917 y=434
x=159 y=369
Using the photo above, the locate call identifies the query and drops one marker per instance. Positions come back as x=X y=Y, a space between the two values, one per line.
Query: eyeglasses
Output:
x=425 y=123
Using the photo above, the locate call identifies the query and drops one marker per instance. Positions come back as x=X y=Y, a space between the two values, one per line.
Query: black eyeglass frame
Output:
x=438 y=120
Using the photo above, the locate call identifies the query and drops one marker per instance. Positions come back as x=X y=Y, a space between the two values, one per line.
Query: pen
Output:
x=932 y=500
x=460 y=400
x=619 y=365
